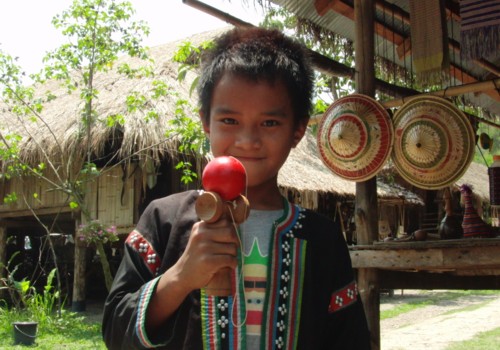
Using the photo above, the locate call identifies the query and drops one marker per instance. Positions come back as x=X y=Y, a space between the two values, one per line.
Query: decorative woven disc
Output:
x=433 y=142
x=355 y=137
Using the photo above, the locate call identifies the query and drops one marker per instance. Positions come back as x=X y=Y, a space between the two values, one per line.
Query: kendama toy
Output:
x=224 y=181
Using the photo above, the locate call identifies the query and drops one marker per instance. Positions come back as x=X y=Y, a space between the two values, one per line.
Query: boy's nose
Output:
x=248 y=138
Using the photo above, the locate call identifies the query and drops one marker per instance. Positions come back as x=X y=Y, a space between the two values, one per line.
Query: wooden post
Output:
x=138 y=195
x=79 y=287
x=366 y=214
x=3 y=253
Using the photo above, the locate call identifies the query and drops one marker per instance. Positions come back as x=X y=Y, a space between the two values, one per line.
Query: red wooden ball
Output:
x=225 y=176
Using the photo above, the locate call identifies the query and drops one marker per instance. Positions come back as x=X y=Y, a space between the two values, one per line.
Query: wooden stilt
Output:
x=78 y=303
x=366 y=215
x=3 y=253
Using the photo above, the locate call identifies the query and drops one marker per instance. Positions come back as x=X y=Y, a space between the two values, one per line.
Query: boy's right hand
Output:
x=211 y=247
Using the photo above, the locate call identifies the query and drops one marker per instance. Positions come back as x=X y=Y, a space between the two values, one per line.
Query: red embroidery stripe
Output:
x=212 y=330
x=343 y=297
x=137 y=242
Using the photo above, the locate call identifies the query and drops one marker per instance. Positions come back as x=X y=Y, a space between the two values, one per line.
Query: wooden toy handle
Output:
x=210 y=207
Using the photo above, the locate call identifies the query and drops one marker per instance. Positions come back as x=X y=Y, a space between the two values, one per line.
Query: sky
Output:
x=26 y=30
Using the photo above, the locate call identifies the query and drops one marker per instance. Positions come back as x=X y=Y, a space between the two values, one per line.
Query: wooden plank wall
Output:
x=47 y=196
x=110 y=198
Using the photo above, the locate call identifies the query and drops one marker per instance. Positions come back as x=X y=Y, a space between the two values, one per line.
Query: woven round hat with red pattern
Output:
x=355 y=137
x=433 y=142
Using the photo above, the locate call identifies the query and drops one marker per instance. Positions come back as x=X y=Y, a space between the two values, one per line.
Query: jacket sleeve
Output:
x=346 y=320
x=121 y=307
x=333 y=315
x=143 y=260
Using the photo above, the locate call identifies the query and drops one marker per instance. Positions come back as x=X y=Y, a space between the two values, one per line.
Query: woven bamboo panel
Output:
x=115 y=197
x=33 y=193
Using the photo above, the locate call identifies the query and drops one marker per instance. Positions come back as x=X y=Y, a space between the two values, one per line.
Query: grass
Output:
x=426 y=298
x=482 y=341
x=71 y=332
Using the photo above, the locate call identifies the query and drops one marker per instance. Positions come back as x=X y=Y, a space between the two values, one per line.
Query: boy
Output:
x=294 y=287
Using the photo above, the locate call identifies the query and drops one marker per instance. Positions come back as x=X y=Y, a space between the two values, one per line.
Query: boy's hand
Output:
x=211 y=247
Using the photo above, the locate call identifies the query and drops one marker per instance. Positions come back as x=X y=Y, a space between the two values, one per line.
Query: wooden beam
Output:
x=427 y=280
x=466 y=254
x=62 y=225
x=37 y=211
x=330 y=67
x=321 y=63
x=438 y=259
x=488 y=86
x=224 y=16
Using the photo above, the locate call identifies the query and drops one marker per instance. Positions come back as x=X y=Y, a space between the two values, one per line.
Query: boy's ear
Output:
x=299 y=132
x=205 y=125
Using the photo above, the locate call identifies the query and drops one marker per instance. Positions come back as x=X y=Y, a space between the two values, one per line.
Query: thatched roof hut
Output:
x=142 y=139
x=62 y=129
x=305 y=172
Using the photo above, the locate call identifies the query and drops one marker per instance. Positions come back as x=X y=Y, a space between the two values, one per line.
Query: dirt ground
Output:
x=431 y=327
x=434 y=327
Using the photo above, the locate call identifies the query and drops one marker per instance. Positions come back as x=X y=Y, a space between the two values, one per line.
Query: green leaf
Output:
x=10 y=198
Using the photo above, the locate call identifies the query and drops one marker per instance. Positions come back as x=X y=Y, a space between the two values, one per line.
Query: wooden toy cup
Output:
x=210 y=208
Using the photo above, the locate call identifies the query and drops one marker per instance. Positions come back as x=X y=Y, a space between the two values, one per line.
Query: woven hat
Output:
x=355 y=137
x=433 y=142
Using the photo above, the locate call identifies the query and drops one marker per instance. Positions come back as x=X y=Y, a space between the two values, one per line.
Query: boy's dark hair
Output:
x=259 y=54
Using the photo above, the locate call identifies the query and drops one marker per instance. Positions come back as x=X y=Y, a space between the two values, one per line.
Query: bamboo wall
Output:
x=25 y=188
x=110 y=198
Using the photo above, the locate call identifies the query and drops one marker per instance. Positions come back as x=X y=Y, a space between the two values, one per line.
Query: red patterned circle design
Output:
x=355 y=137
x=433 y=142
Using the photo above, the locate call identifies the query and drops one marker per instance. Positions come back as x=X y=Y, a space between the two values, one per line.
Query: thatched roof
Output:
x=304 y=170
x=477 y=177
x=58 y=134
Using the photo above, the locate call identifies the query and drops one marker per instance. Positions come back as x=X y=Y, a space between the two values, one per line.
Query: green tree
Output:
x=97 y=32
x=486 y=150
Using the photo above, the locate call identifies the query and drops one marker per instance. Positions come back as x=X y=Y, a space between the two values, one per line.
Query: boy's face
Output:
x=254 y=122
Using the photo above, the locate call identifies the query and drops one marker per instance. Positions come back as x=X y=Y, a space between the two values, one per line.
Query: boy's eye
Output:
x=270 y=123
x=229 y=121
